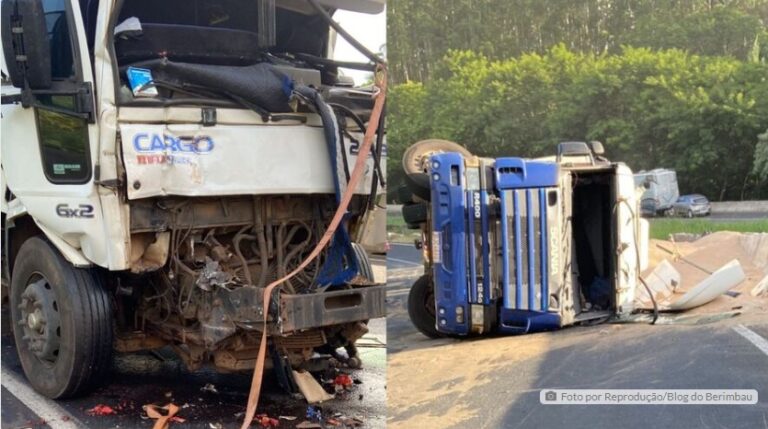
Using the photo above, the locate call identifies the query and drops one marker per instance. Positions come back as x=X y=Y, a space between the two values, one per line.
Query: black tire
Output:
x=421 y=306
x=404 y=194
x=76 y=302
x=363 y=262
x=415 y=177
x=415 y=213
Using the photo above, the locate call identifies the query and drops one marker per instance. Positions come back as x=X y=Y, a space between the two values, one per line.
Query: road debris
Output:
x=310 y=388
x=289 y=418
x=680 y=319
x=101 y=410
x=664 y=280
x=267 y=422
x=761 y=287
x=162 y=421
x=209 y=387
x=342 y=381
x=306 y=424
x=676 y=255
x=314 y=413
x=352 y=422
x=721 y=281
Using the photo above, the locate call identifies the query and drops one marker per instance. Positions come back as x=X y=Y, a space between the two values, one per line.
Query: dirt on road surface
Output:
x=495 y=381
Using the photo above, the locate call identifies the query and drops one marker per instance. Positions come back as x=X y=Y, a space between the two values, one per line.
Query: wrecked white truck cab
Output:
x=518 y=245
x=144 y=213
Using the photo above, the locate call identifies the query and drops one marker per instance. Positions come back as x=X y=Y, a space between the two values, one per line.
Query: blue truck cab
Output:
x=519 y=245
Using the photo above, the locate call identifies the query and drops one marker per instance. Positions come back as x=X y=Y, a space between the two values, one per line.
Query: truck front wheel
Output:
x=62 y=322
x=414 y=158
x=421 y=306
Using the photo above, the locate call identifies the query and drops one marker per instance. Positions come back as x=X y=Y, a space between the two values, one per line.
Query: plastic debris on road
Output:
x=308 y=425
x=310 y=388
x=209 y=388
x=314 y=413
x=101 y=410
x=266 y=422
x=343 y=380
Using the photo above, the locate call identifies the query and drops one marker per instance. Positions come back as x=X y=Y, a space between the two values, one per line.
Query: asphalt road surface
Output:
x=494 y=382
x=144 y=378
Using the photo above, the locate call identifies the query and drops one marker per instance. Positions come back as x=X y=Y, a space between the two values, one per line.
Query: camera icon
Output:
x=550 y=396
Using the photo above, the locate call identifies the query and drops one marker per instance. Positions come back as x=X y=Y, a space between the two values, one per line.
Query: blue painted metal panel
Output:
x=544 y=246
x=472 y=261
x=514 y=173
x=449 y=226
x=486 y=248
x=506 y=290
x=526 y=253
x=518 y=254
x=524 y=321
x=521 y=188
x=529 y=207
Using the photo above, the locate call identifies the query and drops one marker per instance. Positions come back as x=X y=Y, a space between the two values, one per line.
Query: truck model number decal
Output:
x=476 y=204
x=82 y=211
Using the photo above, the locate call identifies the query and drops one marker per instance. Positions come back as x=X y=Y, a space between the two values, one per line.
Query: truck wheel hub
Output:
x=40 y=320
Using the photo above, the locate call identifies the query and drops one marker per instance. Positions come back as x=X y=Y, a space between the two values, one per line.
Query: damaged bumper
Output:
x=316 y=310
x=243 y=307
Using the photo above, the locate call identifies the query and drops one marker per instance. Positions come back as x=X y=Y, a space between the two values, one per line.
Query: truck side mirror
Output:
x=25 y=43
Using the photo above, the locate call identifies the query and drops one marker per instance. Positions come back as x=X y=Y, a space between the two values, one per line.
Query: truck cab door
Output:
x=49 y=132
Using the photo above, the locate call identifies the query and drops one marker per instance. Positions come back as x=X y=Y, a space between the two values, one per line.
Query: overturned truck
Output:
x=515 y=245
x=162 y=163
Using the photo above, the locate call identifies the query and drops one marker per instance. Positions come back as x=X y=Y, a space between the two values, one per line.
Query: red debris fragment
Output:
x=177 y=419
x=101 y=410
x=333 y=422
x=343 y=380
x=266 y=422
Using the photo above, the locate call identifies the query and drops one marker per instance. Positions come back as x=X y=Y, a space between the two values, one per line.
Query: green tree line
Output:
x=421 y=32
x=700 y=115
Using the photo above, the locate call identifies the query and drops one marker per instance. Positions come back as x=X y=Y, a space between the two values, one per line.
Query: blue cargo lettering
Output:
x=154 y=143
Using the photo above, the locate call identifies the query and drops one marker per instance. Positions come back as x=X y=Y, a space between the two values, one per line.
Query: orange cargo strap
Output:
x=354 y=180
x=161 y=420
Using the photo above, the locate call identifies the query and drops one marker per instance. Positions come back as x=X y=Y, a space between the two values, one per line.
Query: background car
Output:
x=692 y=205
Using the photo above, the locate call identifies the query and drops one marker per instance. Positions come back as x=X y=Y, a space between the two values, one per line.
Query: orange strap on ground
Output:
x=161 y=420
x=354 y=180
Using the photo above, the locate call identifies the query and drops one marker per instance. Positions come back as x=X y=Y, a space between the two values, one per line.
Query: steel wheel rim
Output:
x=39 y=320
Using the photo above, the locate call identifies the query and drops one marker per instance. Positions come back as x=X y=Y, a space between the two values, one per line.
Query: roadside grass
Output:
x=662 y=228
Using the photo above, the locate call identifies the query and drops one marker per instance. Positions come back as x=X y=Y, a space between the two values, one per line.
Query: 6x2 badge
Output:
x=82 y=211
